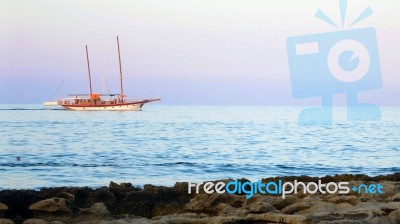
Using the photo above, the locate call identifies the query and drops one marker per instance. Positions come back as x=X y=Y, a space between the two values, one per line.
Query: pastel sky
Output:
x=185 y=51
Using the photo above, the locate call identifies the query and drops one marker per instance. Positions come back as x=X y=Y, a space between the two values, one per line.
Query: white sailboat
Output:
x=100 y=102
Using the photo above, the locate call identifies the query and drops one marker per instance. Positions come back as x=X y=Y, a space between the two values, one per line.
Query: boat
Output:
x=52 y=103
x=103 y=102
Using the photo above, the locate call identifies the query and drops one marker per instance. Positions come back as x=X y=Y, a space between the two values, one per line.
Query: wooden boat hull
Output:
x=114 y=107
x=133 y=105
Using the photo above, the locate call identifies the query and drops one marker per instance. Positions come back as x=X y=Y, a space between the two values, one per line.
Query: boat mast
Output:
x=88 y=66
x=120 y=72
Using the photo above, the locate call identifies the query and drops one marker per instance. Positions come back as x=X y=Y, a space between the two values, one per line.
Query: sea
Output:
x=160 y=145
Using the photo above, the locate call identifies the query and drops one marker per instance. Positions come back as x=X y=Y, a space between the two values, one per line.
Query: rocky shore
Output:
x=124 y=203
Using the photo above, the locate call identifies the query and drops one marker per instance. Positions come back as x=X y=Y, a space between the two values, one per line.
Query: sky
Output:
x=218 y=52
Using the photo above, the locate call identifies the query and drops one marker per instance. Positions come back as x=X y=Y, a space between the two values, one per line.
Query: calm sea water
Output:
x=164 y=144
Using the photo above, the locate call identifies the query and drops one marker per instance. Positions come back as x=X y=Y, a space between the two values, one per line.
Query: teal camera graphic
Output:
x=340 y=62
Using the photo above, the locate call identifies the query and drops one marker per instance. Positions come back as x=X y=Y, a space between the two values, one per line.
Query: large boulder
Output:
x=51 y=205
x=52 y=209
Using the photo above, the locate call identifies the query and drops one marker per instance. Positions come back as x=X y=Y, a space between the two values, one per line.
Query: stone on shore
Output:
x=35 y=221
x=96 y=211
x=66 y=195
x=395 y=197
x=277 y=218
x=394 y=216
x=3 y=207
x=261 y=207
x=351 y=199
x=101 y=195
x=297 y=207
x=209 y=203
x=53 y=209
x=51 y=205
x=6 y=221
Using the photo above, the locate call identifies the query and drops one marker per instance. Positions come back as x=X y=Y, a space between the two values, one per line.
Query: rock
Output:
x=184 y=215
x=260 y=198
x=125 y=221
x=181 y=219
x=281 y=203
x=344 y=221
x=311 y=199
x=320 y=208
x=101 y=195
x=346 y=213
x=277 y=218
x=121 y=190
x=208 y=203
x=139 y=203
x=181 y=187
x=53 y=209
x=66 y=195
x=162 y=208
x=199 y=203
x=224 y=220
x=394 y=216
x=344 y=206
x=395 y=197
x=3 y=207
x=98 y=210
x=351 y=199
x=95 y=214
x=390 y=206
x=358 y=215
x=82 y=196
x=377 y=207
x=277 y=201
x=35 y=221
x=191 y=218
x=6 y=221
x=224 y=209
x=51 y=205
x=379 y=220
x=390 y=188
x=227 y=210
x=120 y=187
x=152 y=201
x=297 y=207
x=260 y=207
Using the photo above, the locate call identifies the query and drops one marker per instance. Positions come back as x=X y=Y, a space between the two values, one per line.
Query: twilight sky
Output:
x=186 y=51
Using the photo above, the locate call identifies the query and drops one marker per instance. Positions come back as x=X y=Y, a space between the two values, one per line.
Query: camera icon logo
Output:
x=325 y=64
